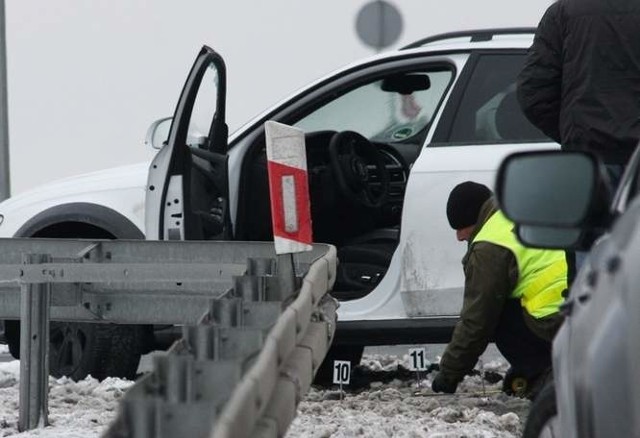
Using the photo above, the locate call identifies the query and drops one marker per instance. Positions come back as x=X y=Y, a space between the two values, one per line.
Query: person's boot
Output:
x=536 y=383
x=519 y=384
x=515 y=383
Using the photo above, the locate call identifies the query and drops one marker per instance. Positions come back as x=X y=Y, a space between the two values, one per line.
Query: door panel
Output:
x=485 y=125
x=430 y=254
x=187 y=190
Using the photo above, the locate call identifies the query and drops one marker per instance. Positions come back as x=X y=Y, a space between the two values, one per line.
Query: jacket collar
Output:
x=487 y=210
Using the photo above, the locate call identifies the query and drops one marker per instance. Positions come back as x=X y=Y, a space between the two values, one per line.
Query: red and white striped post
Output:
x=288 y=188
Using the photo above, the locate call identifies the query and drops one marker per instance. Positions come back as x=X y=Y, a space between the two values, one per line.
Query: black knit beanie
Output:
x=465 y=201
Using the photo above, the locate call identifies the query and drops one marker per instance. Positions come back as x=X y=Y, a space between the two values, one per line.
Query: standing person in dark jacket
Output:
x=580 y=84
x=512 y=294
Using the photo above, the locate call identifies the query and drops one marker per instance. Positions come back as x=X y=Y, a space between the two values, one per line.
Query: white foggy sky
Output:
x=86 y=78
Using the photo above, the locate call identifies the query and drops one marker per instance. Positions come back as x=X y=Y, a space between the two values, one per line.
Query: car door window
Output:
x=204 y=108
x=380 y=115
x=488 y=111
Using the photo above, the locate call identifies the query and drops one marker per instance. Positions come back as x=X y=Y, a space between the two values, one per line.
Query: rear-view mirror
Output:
x=406 y=83
x=548 y=189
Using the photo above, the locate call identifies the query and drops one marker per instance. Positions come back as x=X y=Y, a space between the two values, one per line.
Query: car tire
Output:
x=100 y=350
x=352 y=353
x=77 y=350
x=542 y=421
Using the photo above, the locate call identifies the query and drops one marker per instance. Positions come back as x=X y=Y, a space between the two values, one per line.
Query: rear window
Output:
x=489 y=111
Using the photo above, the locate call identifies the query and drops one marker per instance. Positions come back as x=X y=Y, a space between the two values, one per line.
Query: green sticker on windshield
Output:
x=402 y=133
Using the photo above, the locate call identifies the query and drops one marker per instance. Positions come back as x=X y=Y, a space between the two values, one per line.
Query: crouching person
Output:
x=512 y=296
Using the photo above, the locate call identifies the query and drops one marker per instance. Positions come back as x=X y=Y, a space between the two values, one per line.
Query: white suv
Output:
x=387 y=138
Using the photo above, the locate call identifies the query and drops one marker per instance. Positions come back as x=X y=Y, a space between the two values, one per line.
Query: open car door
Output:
x=187 y=189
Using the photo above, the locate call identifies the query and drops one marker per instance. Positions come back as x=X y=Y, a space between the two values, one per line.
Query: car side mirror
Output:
x=551 y=238
x=554 y=197
x=158 y=133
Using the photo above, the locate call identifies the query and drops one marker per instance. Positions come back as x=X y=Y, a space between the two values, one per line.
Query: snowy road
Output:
x=408 y=408
x=390 y=407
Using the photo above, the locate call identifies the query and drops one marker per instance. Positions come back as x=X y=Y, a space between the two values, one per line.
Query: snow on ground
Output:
x=408 y=408
x=76 y=409
x=390 y=407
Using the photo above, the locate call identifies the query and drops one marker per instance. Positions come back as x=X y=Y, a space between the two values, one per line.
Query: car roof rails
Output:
x=475 y=35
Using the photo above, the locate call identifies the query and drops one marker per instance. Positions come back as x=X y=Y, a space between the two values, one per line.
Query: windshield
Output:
x=379 y=114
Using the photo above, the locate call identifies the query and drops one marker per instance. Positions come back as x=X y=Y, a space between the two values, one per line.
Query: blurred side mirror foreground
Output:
x=554 y=197
x=553 y=238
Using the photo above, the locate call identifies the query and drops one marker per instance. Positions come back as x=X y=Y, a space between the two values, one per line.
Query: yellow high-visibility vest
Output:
x=542 y=273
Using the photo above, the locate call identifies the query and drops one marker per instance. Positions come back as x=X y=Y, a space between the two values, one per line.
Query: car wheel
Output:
x=352 y=353
x=100 y=350
x=542 y=421
x=77 y=350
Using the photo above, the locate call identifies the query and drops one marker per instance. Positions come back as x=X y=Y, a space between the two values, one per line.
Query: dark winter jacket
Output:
x=491 y=274
x=581 y=82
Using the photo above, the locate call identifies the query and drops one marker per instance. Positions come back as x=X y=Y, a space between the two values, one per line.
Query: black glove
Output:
x=442 y=384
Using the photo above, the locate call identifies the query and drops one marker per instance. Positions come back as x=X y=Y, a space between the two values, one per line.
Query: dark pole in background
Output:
x=382 y=40
x=5 y=181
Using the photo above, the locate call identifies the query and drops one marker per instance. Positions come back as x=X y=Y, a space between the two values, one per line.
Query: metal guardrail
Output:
x=242 y=368
x=132 y=282
x=264 y=404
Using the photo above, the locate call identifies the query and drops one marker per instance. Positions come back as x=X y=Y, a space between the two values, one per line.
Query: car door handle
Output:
x=566 y=308
x=584 y=298
x=613 y=264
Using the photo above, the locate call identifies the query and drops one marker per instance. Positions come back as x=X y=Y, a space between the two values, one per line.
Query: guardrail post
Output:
x=261 y=266
x=34 y=349
x=286 y=276
x=226 y=312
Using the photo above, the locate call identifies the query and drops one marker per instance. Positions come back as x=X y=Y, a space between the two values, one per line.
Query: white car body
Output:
x=120 y=189
x=424 y=279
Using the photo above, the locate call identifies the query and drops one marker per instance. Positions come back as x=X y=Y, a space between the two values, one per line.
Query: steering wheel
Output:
x=350 y=155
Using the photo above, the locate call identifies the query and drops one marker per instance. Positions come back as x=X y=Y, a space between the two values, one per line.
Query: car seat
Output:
x=363 y=262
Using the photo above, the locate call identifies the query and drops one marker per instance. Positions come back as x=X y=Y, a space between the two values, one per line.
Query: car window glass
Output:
x=489 y=111
x=380 y=115
x=204 y=107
